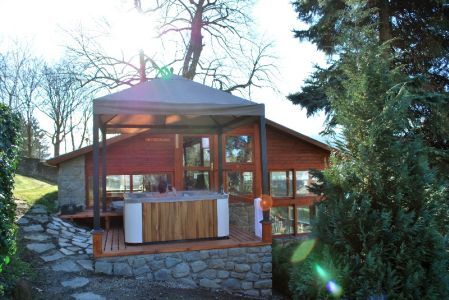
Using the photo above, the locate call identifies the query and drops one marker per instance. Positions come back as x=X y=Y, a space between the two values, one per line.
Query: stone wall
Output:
x=241 y=215
x=71 y=182
x=244 y=270
x=34 y=167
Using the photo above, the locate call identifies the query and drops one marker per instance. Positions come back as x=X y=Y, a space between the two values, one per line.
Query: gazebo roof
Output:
x=174 y=103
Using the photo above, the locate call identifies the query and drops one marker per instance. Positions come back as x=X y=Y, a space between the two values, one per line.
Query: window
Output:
x=282 y=219
x=196 y=151
x=239 y=183
x=303 y=179
x=150 y=182
x=196 y=180
x=239 y=149
x=303 y=217
x=117 y=183
x=281 y=184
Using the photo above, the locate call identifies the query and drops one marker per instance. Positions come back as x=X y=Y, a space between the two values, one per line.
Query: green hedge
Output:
x=9 y=149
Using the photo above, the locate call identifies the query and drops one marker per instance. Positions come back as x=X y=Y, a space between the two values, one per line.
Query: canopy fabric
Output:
x=172 y=103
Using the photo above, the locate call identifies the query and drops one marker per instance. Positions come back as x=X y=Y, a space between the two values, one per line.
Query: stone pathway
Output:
x=66 y=247
x=61 y=257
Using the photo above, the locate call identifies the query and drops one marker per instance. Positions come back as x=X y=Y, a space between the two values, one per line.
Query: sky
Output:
x=43 y=25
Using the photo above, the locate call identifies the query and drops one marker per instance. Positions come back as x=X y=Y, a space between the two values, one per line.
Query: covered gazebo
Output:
x=173 y=105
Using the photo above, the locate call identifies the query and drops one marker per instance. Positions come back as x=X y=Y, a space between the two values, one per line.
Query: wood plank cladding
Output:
x=287 y=152
x=184 y=220
x=141 y=154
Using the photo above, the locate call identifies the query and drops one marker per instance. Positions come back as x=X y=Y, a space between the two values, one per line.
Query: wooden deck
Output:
x=114 y=244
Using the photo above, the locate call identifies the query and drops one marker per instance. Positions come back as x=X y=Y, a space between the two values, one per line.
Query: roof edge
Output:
x=300 y=135
x=67 y=156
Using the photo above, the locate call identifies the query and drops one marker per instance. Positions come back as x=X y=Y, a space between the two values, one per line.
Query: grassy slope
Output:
x=35 y=191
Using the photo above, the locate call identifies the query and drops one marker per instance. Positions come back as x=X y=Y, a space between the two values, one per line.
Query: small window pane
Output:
x=150 y=182
x=239 y=149
x=196 y=180
x=240 y=183
x=282 y=220
x=303 y=225
x=196 y=151
x=281 y=184
x=117 y=183
x=303 y=179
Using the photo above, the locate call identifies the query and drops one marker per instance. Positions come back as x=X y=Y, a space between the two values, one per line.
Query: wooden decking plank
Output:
x=105 y=239
x=115 y=244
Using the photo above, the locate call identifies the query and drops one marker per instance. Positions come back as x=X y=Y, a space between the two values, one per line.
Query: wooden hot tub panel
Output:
x=183 y=220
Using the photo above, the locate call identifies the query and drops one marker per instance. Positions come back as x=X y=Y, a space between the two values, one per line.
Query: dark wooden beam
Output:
x=220 y=161
x=155 y=126
x=238 y=122
x=103 y=167
x=263 y=161
x=95 y=173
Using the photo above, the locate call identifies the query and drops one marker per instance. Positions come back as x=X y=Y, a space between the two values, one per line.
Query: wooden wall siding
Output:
x=171 y=221
x=139 y=155
x=287 y=152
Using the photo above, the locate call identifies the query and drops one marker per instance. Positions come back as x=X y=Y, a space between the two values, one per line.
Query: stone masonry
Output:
x=236 y=270
x=71 y=182
x=241 y=215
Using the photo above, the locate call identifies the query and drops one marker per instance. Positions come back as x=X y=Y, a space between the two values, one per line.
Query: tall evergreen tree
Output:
x=377 y=232
x=417 y=33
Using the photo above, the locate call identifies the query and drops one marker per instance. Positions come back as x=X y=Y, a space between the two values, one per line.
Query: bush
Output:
x=282 y=266
x=9 y=147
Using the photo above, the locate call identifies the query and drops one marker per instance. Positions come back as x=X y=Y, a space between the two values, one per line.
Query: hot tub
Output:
x=188 y=215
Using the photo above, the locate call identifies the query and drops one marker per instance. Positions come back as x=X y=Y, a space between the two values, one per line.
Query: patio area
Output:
x=113 y=243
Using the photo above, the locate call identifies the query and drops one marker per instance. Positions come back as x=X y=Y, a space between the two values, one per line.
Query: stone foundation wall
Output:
x=241 y=215
x=71 y=182
x=236 y=270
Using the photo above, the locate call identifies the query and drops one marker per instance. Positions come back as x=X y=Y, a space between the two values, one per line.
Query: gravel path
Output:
x=60 y=253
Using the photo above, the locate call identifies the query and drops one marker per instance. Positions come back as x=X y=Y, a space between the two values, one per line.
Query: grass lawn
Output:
x=35 y=191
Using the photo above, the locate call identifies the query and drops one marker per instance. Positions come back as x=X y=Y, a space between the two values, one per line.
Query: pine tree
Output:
x=376 y=229
x=417 y=35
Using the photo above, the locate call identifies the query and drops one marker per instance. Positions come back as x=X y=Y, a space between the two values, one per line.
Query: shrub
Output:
x=9 y=147
x=282 y=266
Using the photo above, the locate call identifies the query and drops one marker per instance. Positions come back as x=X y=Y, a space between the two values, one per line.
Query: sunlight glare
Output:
x=334 y=288
x=303 y=250
x=132 y=31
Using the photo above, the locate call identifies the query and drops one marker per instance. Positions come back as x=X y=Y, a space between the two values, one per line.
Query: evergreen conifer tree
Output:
x=376 y=229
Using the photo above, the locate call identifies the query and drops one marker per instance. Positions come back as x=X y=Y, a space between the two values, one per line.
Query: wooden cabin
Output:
x=230 y=161
x=136 y=163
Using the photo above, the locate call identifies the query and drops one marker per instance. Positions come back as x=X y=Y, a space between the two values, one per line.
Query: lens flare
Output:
x=322 y=273
x=334 y=288
x=303 y=250
x=331 y=286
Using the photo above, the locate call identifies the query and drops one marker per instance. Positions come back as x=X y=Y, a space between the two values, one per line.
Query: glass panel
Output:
x=240 y=183
x=303 y=225
x=196 y=151
x=196 y=180
x=281 y=184
x=239 y=149
x=117 y=183
x=282 y=220
x=150 y=182
x=303 y=179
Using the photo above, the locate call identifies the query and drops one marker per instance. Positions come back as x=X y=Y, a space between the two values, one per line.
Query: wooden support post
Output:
x=220 y=161
x=266 y=232
x=97 y=242
x=95 y=179
x=103 y=167
x=266 y=223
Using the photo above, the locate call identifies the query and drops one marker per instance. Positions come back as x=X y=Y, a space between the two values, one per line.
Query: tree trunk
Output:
x=29 y=139
x=384 y=21
x=72 y=136
x=57 y=143
x=196 y=44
